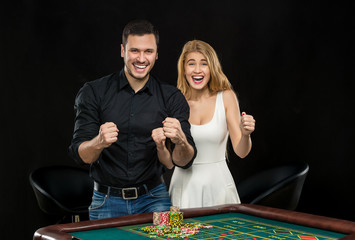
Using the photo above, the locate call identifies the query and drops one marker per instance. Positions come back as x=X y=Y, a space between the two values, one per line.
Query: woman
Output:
x=214 y=114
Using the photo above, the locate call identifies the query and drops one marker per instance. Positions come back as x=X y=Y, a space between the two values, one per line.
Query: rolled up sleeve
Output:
x=87 y=120
x=179 y=109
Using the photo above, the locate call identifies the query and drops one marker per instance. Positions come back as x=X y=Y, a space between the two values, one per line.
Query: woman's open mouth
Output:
x=197 y=79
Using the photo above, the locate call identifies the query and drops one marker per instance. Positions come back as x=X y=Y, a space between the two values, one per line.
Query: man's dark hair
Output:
x=139 y=27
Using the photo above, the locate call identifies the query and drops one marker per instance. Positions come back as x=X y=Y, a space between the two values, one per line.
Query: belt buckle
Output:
x=127 y=193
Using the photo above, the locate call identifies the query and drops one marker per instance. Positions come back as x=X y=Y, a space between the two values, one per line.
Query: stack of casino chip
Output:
x=156 y=218
x=175 y=219
x=170 y=224
x=174 y=209
x=161 y=218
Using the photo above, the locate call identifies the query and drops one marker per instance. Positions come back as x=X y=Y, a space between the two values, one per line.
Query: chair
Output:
x=62 y=190
x=278 y=187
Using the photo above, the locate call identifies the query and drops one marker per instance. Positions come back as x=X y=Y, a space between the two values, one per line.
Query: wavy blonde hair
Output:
x=218 y=80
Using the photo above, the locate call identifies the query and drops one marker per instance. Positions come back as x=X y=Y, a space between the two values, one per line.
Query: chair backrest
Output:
x=62 y=190
x=278 y=187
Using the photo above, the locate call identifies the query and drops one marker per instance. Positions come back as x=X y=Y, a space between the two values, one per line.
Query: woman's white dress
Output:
x=208 y=182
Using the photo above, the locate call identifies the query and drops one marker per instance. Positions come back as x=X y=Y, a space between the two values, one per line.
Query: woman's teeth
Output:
x=197 y=79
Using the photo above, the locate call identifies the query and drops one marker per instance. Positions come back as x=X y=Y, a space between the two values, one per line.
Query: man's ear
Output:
x=122 y=50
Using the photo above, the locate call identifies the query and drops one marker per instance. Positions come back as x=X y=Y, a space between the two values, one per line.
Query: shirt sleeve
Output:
x=179 y=109
x=87 y=120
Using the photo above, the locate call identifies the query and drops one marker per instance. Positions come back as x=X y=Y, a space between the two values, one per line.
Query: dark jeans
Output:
x=103 y=206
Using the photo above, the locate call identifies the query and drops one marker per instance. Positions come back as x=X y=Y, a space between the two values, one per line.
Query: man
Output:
x=117 y=118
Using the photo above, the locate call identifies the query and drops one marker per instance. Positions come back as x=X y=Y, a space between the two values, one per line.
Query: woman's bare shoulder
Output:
x=229 y=96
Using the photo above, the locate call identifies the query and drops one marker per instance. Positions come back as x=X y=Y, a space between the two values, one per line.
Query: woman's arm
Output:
x=239 y=127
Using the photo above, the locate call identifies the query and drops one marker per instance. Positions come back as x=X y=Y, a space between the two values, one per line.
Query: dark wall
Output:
x=290 y=63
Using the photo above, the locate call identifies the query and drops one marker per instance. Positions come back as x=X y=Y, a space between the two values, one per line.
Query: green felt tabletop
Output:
x=225 y=226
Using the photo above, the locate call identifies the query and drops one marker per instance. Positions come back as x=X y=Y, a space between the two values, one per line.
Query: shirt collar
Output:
x=123 y=82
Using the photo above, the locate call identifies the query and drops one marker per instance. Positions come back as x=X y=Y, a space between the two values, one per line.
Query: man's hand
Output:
x=107 y=134
x=159 y=138
x=164 y=154
x=172 y=129
x=183 y=151
x=90 y=151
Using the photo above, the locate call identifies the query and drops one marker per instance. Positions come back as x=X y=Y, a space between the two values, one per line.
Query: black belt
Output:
x=128 y=193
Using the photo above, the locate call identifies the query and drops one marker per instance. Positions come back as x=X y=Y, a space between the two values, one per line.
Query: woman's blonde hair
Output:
x=218 y=80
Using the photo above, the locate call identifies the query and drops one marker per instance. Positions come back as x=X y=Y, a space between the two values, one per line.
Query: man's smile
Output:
x=140 y=68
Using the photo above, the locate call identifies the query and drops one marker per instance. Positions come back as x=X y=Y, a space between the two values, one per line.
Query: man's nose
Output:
x=141 y=57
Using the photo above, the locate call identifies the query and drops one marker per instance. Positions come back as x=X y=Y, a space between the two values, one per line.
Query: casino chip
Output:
x=170 y=224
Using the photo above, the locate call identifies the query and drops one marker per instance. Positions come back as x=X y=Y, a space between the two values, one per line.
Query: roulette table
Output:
x=232 y=221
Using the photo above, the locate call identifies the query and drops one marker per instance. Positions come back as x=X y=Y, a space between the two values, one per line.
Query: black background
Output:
x=290 y=62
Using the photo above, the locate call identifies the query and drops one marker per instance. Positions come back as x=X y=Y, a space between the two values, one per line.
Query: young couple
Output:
x=129 y=124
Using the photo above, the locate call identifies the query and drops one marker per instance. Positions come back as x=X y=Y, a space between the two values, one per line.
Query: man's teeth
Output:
x=140 y=66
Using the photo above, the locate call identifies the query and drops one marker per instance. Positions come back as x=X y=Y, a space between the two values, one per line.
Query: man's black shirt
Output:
x=132 y=159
